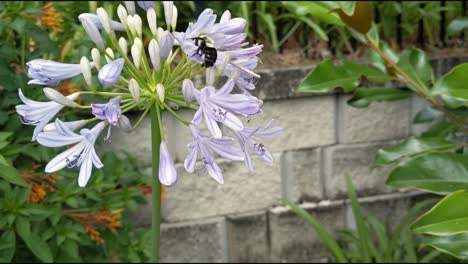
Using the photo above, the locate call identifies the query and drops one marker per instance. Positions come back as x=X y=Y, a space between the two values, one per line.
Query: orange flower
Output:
x=40 y=184
x=94 y=221
x=50 y=18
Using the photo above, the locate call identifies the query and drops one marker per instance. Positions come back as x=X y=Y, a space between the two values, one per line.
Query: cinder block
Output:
x=293 y=240
x=306 y=122
x=194 y=242
x=248 y=237
x=356 y=161
x=198 y=195
x=301 y=175
x=379 y=121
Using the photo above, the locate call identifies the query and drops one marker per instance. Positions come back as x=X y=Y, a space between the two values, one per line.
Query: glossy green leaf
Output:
x=380 y=63
x=453 y=83
x=416 y=65
x=456 y=245
x=11 y=175
x=427 y=114
x=439 y=173
x=441 y=129
x=448 y=217
x=410 y=147
x=363 y=97
x=457 y=25
x=7 y=245
x=326 y=76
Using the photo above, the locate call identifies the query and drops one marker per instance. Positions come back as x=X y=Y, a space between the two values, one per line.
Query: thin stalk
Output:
x=156 y=185
x=176 y=115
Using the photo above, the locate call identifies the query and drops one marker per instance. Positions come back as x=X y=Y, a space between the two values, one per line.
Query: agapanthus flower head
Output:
x=152 y=70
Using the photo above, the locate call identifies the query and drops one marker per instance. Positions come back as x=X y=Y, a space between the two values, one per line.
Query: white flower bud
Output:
x=134 y=89
x=109 y=55
x=130 y=7
x=131 y=24
x=174 y=18
x=225 y=17
x=59 y=98
x=123 y=45
x=122 y=13
x=93 y=32
x=160 y=32
x=153 y=50
x=102 y=14
x=138 y=42
x=86 y=70
x=137 y=24
x=161 y=92
x=168 y=5
x=210 y=76
x=136 y=54
x=152 y=20
x=96 y=55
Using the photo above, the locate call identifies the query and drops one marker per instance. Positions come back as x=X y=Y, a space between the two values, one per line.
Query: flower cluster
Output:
x=152 y=71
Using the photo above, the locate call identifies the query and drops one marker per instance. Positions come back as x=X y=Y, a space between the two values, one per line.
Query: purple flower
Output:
x=243 y=67
x=223 y=36
x=97 y=22
x=81 y=155
x=245 y=137
x=112 y=113
x=46 y=72
x=72 y=125
x=219 y=106
x=206 y=145
x=166 y=42
x=145 y=4
x=110 y=73
x=92 y=31
x=39 y=113
x=167 y=169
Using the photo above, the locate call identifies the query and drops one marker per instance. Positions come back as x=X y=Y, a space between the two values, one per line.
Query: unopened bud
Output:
x=161 y=92
x=109 y=55
x=134 y=89
x=131 y=24
x=153 y=50
x=168 y=6
x=102 y=14
x=86 y=70
x=96 y=56
x=136 y=54
x=152 y=20
x=123 y=45
x=174 y=18
x=122 y=13
x=59 y=98
x=137 y=24
x=225 y=17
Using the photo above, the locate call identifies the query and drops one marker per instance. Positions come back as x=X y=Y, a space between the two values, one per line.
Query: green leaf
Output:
x=457 y=25
x=37 y=246
x=8 y=246
x=441 y=129
x=5 y=135
x=326 y=76
x=448 y=217
x=363 y=97
x=321 y=231
x=456 y=245
x=416 y=65
x=453 y=83
x=316 y=10
x=439 y=173
x=410 y=147
x=377 y=60
x=11 y=175
x=359 y=219
x=428 y=114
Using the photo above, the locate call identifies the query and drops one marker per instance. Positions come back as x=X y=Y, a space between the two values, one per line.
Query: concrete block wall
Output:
x=324 y=139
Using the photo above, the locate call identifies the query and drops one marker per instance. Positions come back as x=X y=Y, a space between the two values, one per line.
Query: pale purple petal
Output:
x=60 y=161
x=97 y=22
x=167 y=169
x=191 y=159
x=85 y=171
x=110 y=73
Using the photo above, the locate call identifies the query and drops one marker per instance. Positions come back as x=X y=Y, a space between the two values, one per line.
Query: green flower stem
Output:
x=177 y=115
x=156 y=185
x=182 y=103
x=141 y=117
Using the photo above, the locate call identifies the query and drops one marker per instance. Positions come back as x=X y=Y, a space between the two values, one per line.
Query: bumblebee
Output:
x=206 y=50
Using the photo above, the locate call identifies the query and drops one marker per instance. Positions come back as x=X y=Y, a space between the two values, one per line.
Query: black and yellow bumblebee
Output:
x=206 y=50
